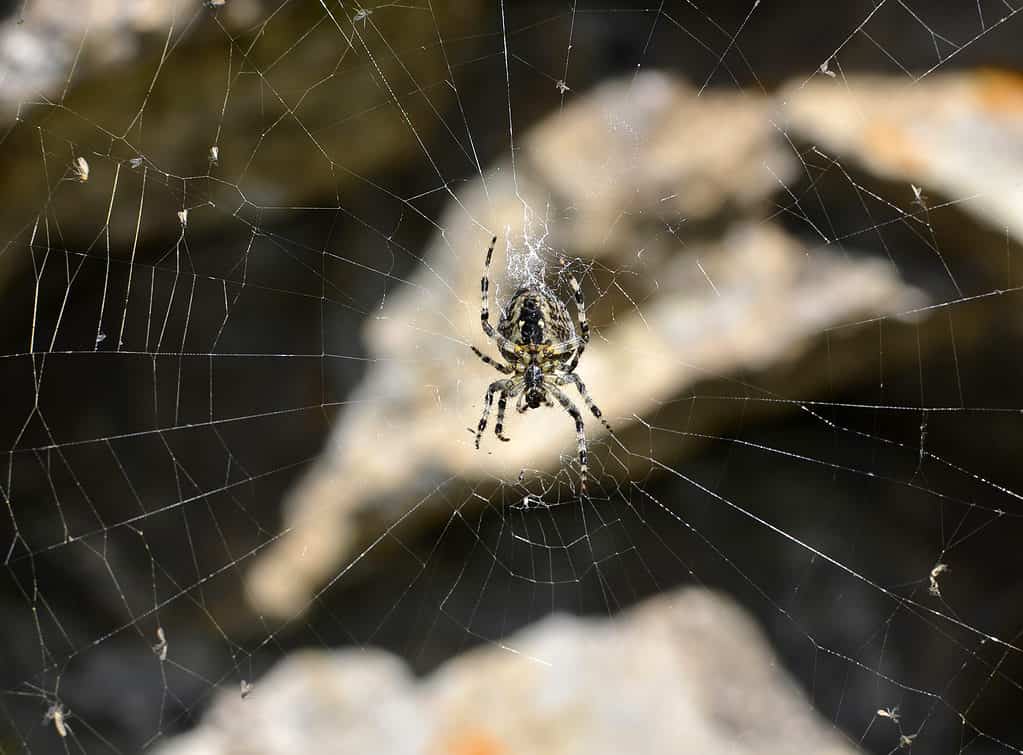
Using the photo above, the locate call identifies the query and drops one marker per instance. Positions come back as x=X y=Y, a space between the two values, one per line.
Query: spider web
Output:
x=235 y=249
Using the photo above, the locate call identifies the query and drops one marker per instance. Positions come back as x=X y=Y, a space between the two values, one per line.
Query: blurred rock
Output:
x=96 y=75
x=683 y=672
x=653 y=150
x=957 y=134
x=742 y=298
x=40 y=42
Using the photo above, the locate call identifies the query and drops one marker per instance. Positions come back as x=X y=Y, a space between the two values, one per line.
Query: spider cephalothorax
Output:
x=537 y=339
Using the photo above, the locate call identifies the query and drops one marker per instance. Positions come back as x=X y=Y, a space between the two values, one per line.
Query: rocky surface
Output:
x=195 y=106
x=43 y=44
x=954 y=135
x=683 y=672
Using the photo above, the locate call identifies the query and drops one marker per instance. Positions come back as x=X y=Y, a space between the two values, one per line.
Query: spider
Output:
x=537 y=340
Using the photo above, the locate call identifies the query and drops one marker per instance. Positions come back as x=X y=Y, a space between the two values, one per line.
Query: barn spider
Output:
x=537 y=339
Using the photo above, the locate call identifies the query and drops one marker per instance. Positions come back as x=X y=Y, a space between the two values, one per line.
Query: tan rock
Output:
x=956 y=134
x=206 y=151
x=683 y=672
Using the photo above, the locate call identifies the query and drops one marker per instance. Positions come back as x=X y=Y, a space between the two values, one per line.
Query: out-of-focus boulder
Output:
x=960 y=134
x=683 y=672
x=234 y=131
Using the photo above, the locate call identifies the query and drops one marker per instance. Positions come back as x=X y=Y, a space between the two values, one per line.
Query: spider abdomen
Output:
x=534 y=316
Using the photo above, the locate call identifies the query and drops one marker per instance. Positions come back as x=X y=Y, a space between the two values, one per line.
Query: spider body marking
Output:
x=537 y=340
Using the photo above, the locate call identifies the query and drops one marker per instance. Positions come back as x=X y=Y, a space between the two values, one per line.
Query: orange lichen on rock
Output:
x=891 y=145
x=474 y=742
x=1000 y=91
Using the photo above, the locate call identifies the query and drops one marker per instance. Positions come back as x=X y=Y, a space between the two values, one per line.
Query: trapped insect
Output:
x=936 y=572
x=160 y=648
x=80 y=169
x=59 y=715
x=892 y=713
x=537 y=340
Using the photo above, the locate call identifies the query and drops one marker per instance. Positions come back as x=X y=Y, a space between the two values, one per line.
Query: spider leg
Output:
x=580 y=434
x=503 y=344
x=564 y=350
x=580 y=305
x=502 y=402
x=502 y=368
x=498 y=385
x=520 y=405
x=584 y=325
x=578 y=383
x=571 y=350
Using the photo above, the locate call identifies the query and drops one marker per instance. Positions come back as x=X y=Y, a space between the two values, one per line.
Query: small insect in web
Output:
x=936 y=572
x=59 y=715
x=160 y=648
x=361 y=14
x=537 y=340
x=892 y=713
x=80 y=169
